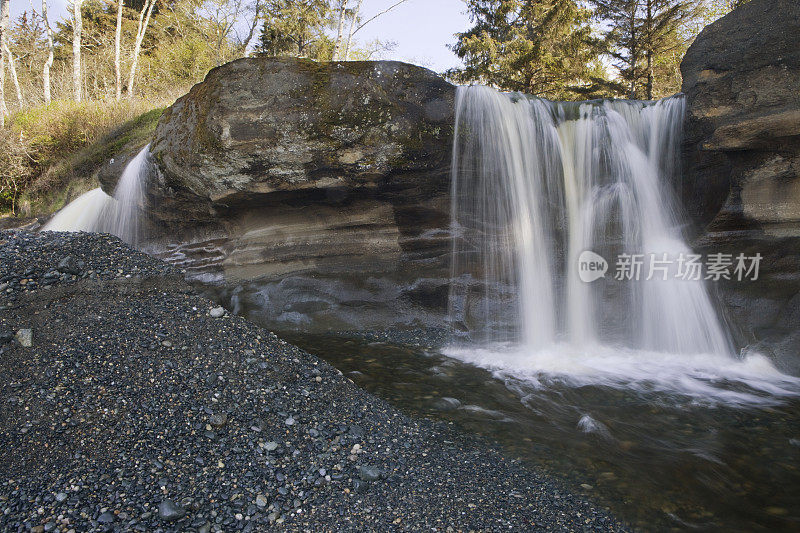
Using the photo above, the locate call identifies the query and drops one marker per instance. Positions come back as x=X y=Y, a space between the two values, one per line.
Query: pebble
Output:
x=70 y=265
x=369 y=473
x=447 y=404
x=168 y=511
x=218 y=419
x=217 y=312
x=25 y=337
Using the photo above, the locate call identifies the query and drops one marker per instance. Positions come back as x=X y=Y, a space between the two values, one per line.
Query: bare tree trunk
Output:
x=5 y=16
x=117 y=44
x=351 y=31
x=144 y=20
x=13 y=70
x=77 y=30
x=49 y=62
x=634 y=51
x=337 y=50
x=649 y=53
x=252 y=30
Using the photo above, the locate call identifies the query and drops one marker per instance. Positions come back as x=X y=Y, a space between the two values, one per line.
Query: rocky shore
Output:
x=131 y=403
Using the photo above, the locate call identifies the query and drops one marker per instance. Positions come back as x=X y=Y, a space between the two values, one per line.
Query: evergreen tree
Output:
x=640 y=35
x=539 y=47
x=297 y=28
x=27 y=42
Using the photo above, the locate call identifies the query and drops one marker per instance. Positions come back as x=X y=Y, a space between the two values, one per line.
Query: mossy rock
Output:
x=262 y=125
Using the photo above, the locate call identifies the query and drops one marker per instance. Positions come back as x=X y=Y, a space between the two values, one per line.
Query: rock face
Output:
x=297 y=170
x=266 y=126
x=742 y=152
x=741 y=79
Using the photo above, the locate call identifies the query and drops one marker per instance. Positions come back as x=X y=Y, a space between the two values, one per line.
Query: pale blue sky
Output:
x=422 y=29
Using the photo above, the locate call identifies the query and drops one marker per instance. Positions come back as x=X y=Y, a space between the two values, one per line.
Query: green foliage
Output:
x=546 y=47
x=640 y=34
x=180 y=46
x=540 y=47
x=297 y=28
x=49 y=153
x=13 y=168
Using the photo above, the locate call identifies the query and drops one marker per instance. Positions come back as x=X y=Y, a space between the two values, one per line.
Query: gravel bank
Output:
x=138 y=409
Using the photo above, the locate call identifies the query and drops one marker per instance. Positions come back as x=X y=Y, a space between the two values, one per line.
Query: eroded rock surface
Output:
x=288 y=170
x=741 y=79
x=742 y=181
x=263 y=126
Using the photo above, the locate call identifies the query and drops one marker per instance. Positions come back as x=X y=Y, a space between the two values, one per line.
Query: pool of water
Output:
x=710 y=453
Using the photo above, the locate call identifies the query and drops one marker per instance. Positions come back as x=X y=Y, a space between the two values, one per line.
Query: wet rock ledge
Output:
x=141 y=406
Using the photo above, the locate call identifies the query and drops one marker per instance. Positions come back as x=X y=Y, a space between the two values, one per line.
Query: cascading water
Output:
x=535 y=185
x=119 y=215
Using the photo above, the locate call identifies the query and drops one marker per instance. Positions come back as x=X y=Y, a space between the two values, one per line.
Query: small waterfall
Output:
x=119 y=215
x=535 y=185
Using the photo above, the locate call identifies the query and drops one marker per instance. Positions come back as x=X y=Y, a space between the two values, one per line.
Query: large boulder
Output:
x=741 y=183
x=312 y=179
x=265 y=126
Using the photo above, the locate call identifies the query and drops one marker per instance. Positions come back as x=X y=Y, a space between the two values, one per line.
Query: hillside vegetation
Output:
x=50 y=154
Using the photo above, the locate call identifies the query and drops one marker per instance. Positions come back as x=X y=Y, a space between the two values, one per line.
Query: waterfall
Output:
x=537 y=184
x=119 y=214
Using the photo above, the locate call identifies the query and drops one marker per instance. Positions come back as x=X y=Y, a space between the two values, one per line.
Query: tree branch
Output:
x=378 y=15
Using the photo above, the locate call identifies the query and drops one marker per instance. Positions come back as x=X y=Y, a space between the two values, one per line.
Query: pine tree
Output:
x=640 y=33
x=296 y=28
x=539 y=47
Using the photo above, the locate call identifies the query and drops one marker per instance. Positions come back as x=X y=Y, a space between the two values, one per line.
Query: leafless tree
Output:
x=356 y=20
x=117 y=45
x=12 y=69
x=77 y=31
x=226 y=19
x=144 y=20
x=49 y=61
x=350 y=32
x=337 y=50
x=5 y=16
x=244 y=44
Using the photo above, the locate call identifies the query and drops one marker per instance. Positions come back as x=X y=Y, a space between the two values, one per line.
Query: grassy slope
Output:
x=65 y=145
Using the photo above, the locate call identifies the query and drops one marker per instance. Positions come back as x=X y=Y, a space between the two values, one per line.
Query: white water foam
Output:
x=95 y=211
x=82 y=213
x=705 y=378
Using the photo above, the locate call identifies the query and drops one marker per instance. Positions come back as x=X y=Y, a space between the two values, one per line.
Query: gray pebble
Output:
x=25 y=337
x=169 y=512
